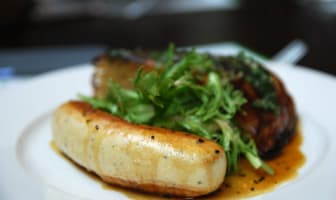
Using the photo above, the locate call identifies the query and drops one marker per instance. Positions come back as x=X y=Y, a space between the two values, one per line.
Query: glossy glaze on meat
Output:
x=271 y=131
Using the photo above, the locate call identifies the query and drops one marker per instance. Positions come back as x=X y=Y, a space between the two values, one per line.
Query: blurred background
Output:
x=40 y=35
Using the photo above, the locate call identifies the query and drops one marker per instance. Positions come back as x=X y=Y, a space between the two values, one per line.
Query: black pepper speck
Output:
x=259 y=180
x=200 y=140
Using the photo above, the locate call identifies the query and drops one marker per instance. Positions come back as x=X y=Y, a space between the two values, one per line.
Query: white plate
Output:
x=25 y=119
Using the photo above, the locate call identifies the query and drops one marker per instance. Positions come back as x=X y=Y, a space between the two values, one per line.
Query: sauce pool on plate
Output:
x=246 y=183
x=249 y=182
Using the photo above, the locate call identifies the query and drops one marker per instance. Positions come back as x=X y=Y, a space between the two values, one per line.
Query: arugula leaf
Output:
x=187 y=93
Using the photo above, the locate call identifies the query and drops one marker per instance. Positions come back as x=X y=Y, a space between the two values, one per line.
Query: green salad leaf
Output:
x=187 y=94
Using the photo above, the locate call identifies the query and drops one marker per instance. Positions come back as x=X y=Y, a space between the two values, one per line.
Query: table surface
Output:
x=263 y=27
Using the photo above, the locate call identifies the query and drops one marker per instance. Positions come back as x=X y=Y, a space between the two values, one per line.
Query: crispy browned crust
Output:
x=271 y=131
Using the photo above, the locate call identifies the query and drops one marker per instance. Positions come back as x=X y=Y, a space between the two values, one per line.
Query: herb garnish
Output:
x=257 y=76
x=185 y=94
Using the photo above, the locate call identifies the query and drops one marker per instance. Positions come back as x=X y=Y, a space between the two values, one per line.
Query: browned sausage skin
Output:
x=141 y=157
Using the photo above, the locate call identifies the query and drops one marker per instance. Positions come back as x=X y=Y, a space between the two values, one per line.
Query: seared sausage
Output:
x=141 y=157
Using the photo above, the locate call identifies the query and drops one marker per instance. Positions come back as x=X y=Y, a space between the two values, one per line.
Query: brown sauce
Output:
x=248 y=182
